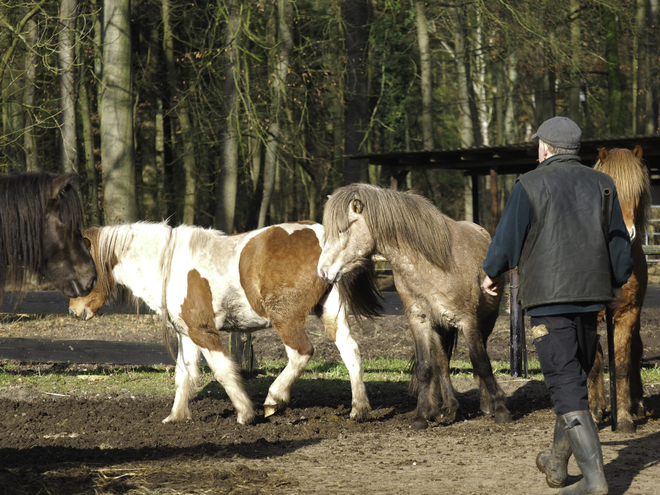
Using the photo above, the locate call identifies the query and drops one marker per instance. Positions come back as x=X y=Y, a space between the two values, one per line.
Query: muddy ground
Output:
x=117 y=443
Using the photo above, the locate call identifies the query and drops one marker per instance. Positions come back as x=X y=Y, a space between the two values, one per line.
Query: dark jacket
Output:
x=552 y=228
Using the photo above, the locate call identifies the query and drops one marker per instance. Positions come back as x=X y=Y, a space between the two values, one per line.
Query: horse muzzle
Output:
x=328 y=278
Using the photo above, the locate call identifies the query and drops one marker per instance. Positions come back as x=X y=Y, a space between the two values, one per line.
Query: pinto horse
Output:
x=436 y=263
x=631 y=178
x=40 y=221
x=201 y=281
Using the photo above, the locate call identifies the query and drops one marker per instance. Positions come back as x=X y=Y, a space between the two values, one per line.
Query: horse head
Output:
x=633 y=184
x=85 y=307
x=66 y=261
x=348 y=241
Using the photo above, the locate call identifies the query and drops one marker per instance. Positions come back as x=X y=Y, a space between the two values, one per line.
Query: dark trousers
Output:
x=567 y=353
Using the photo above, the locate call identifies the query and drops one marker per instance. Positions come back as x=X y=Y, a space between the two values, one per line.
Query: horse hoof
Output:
x=269 y=411
x=502 y=416
x=639 y=411
x=361 y=415
x=419 y=424
x=626 y=427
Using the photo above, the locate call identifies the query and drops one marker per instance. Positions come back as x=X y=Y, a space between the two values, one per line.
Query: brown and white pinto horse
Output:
x=40 y=222
x=201 y=282
x=633 y=185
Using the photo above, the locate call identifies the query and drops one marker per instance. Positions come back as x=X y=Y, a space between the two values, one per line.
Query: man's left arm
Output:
x=619 y=246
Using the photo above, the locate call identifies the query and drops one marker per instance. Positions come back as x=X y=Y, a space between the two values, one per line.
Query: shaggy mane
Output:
x=24 y=200
x=405 y=220
x=632 y=181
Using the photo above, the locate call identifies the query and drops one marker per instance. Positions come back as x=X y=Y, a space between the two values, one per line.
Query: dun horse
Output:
x=40 y=221
x=202 y=281
x=436 y=263
x=632 y=182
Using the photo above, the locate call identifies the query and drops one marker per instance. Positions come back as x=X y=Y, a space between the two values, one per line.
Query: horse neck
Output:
x=139 y=267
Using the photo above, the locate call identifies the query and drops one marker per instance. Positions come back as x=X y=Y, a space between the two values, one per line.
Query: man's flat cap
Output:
x=560 y=132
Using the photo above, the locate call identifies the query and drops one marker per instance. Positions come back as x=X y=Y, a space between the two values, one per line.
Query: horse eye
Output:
x=344 y=231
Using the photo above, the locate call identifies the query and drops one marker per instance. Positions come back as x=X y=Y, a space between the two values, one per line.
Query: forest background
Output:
x=242 y=113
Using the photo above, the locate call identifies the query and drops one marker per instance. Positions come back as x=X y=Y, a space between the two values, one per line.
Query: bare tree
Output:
x=281 y=67
x=117 y=157
x=66 y=52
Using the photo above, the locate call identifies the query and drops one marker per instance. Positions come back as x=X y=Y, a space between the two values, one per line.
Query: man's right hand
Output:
x=617 y=296
x=493 y=286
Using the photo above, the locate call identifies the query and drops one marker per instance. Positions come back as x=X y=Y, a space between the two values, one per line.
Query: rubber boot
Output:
x=554 y=462
x=585 y=445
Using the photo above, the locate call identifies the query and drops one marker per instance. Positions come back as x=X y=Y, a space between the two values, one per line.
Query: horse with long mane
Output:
x=632 y=181
x=40 y=221
x=436 y=263
x=201 y=282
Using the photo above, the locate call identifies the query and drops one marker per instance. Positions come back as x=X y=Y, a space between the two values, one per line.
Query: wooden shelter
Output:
x=505 y=159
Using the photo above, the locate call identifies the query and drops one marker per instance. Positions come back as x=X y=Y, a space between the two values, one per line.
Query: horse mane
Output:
x=405 y=220
x=632 y=181
x=24 y=200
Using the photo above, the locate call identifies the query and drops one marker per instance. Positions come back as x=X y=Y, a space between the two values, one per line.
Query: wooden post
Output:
x=610 y=354
x=518 y=344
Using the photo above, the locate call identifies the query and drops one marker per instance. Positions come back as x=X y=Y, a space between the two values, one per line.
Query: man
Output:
x=562 y=227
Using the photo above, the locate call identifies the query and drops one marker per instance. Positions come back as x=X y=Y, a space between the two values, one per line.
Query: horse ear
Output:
x=603 y=154
x=59 y=184
x=637 y=152
x=357 y=206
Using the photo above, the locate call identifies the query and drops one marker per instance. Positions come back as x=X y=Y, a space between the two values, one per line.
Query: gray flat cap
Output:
x=561 y=132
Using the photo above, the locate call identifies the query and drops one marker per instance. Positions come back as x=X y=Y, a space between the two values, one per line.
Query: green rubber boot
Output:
x=554 y=462
x=583 y=439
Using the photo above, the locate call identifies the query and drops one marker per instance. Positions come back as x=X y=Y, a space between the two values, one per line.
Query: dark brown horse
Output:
x=436 y=263
x=633 y=185
x=40 y=222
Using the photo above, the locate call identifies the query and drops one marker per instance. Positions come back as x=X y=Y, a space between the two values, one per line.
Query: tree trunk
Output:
x=285 y=16
x=336 y=89
x=356 y=109
x=179 y=104
x=510 y=126
x=90 y=189
x=66 y=49
x=29 y=140
x=576 y=41
x=427 y=88
x=228 y=190
x=146 y=118
x=117 y=157
x=613 y=75
x=651 y=97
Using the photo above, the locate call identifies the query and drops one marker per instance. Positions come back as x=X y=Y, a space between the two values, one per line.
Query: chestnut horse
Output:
x=436 y=263
x=633 y=185
x=201 y=282
x=40 y=221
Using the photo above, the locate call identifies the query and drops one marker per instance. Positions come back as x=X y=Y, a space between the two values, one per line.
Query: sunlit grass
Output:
x=159 y=380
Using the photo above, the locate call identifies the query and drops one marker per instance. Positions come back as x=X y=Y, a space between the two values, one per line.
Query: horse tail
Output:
x=449 y=339
x=358 y=290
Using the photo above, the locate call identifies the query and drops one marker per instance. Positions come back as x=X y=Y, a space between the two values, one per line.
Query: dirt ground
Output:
x=118 y=444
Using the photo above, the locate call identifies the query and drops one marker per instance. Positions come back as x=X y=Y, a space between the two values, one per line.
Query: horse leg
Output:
x=623 y=323
x=596 y=387
x=333 y=314
x=227 y=372
x=636 y=386
x=431 y=370
x=198 y=314
x=493 y=400
x=186 y=378
x=299 y=350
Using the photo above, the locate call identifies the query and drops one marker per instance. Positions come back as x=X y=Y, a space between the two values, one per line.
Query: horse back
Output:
x=277 y=269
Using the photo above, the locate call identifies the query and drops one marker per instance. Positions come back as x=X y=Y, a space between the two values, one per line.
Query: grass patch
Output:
x=63 y=379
